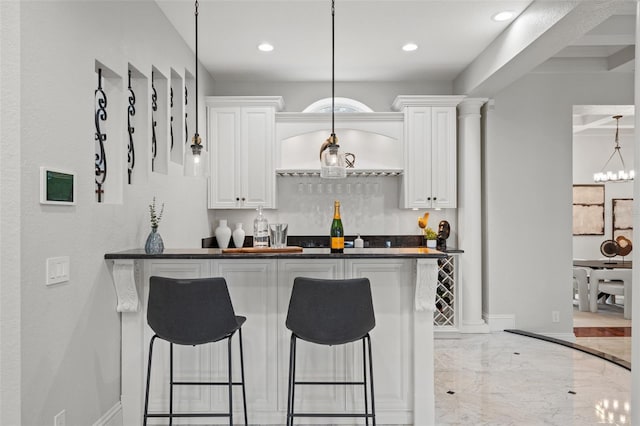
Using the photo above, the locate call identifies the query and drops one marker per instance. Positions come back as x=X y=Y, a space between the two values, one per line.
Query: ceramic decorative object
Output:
x=238 y=236
x=431 y=243
x=154 y=244
x=223 y=234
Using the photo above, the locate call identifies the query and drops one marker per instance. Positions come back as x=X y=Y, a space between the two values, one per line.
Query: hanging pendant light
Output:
x=195 y=164
x=622 y=175
x=332 y=161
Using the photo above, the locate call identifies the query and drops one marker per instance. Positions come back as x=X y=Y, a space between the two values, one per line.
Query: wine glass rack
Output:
x=350 y=172
x=445 y=313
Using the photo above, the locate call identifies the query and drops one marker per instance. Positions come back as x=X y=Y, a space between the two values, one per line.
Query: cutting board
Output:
x=288 y=249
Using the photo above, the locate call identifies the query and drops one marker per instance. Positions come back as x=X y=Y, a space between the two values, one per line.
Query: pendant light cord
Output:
x=196 y=18
x=333 y=73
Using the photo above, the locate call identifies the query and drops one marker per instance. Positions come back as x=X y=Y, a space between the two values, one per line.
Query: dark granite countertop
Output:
x=370 y=241
x=307 y=253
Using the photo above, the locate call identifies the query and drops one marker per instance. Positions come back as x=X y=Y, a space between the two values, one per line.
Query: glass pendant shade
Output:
x=332 y=163
x=195 y=161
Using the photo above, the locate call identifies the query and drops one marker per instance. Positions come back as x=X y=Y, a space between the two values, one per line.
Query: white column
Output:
x=470 y=214
x=635 y=255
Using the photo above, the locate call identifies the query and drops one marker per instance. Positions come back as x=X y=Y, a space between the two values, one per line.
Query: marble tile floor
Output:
x=509 y=379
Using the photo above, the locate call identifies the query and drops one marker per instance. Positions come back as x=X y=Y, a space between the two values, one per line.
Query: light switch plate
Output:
x=57 y=270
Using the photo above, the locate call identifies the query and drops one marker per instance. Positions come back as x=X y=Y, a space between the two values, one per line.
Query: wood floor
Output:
x=605 y=331
x=602 y=331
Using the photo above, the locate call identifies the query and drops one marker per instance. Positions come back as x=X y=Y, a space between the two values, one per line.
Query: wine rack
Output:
x=445 y=313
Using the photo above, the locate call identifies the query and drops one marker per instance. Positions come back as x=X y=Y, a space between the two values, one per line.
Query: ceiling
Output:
x=368 y=36
x=457 y=40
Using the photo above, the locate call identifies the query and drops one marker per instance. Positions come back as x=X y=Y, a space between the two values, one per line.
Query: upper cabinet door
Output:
x=225 y=161
x=430 y=151
x=242 y=136
x=257 y=144
x=418 y=170
x=443 y=157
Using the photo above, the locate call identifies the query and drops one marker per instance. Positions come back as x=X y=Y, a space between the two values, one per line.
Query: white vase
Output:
x=238 y=236
x=431 y=243
x=223 y=234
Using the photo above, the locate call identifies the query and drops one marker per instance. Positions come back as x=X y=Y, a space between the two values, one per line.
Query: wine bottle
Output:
x=337 y=232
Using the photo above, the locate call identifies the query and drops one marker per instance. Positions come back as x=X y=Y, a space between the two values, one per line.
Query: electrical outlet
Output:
x=555 y=316
x=60 y=419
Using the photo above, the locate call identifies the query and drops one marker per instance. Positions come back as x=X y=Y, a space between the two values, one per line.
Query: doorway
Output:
x=600 y=220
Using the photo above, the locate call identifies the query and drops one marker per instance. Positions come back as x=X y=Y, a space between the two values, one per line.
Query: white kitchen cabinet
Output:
x=314 y=362
x=430 y=151
x=241 y=148
x=392 y=291
x=253 y=291
x=260 y=289
x=190 y=362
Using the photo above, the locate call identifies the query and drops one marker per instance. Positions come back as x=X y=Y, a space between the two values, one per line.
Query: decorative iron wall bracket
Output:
x=100 y=114
x=131 y=111
x=154 y=123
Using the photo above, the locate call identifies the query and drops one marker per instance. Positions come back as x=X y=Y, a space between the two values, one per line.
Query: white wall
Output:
x=70 y=332
x=590 y=152
x=10 y=213
x=527 y=201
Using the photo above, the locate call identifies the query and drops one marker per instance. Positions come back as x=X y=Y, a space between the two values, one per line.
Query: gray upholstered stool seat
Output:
x=331 y=312
x=193 y=312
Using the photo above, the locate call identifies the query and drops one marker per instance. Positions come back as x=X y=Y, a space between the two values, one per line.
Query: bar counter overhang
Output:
x=403 y=282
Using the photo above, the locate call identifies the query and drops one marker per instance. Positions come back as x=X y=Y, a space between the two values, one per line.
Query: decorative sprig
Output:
x=155 y=219
x=430 y=234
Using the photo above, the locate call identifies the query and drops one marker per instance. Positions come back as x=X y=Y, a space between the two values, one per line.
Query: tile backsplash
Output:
x=369 y=206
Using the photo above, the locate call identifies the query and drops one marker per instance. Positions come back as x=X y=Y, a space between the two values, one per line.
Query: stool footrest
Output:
x=331 y=415
x=188 y=415
x=207 y=383
x=329 y=383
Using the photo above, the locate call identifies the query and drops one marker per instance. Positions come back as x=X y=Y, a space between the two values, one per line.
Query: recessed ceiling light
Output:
x=503 y=16
x=410 y=47
x=265 y=47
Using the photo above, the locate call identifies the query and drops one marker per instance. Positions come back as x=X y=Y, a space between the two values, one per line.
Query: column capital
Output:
x=471 y=106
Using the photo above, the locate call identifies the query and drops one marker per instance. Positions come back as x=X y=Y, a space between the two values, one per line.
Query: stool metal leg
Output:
x=373 y=404
x=146 y=394
x=244 y=395
x=230 y=383
x=292 y=380
x=364 y=382
x=170 y=384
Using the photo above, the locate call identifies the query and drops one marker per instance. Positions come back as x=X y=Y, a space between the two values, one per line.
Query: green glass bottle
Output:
x=337 y=232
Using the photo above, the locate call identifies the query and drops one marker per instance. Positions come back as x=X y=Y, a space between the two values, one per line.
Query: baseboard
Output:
x=113 y=417
x=500 y=322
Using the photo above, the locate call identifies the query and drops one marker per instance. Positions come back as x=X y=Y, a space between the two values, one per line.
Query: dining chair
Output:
x=616 y=282
x=581 y=286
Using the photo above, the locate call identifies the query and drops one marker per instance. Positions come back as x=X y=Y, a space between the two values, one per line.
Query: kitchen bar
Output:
x=403 y=282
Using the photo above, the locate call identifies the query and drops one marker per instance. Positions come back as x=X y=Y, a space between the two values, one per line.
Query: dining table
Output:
x=603 y=264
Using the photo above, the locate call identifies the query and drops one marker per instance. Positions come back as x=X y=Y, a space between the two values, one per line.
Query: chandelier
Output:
x=622 y=175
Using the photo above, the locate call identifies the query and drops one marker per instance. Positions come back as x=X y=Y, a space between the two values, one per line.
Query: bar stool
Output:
x=192 y=312
x=331 y=312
